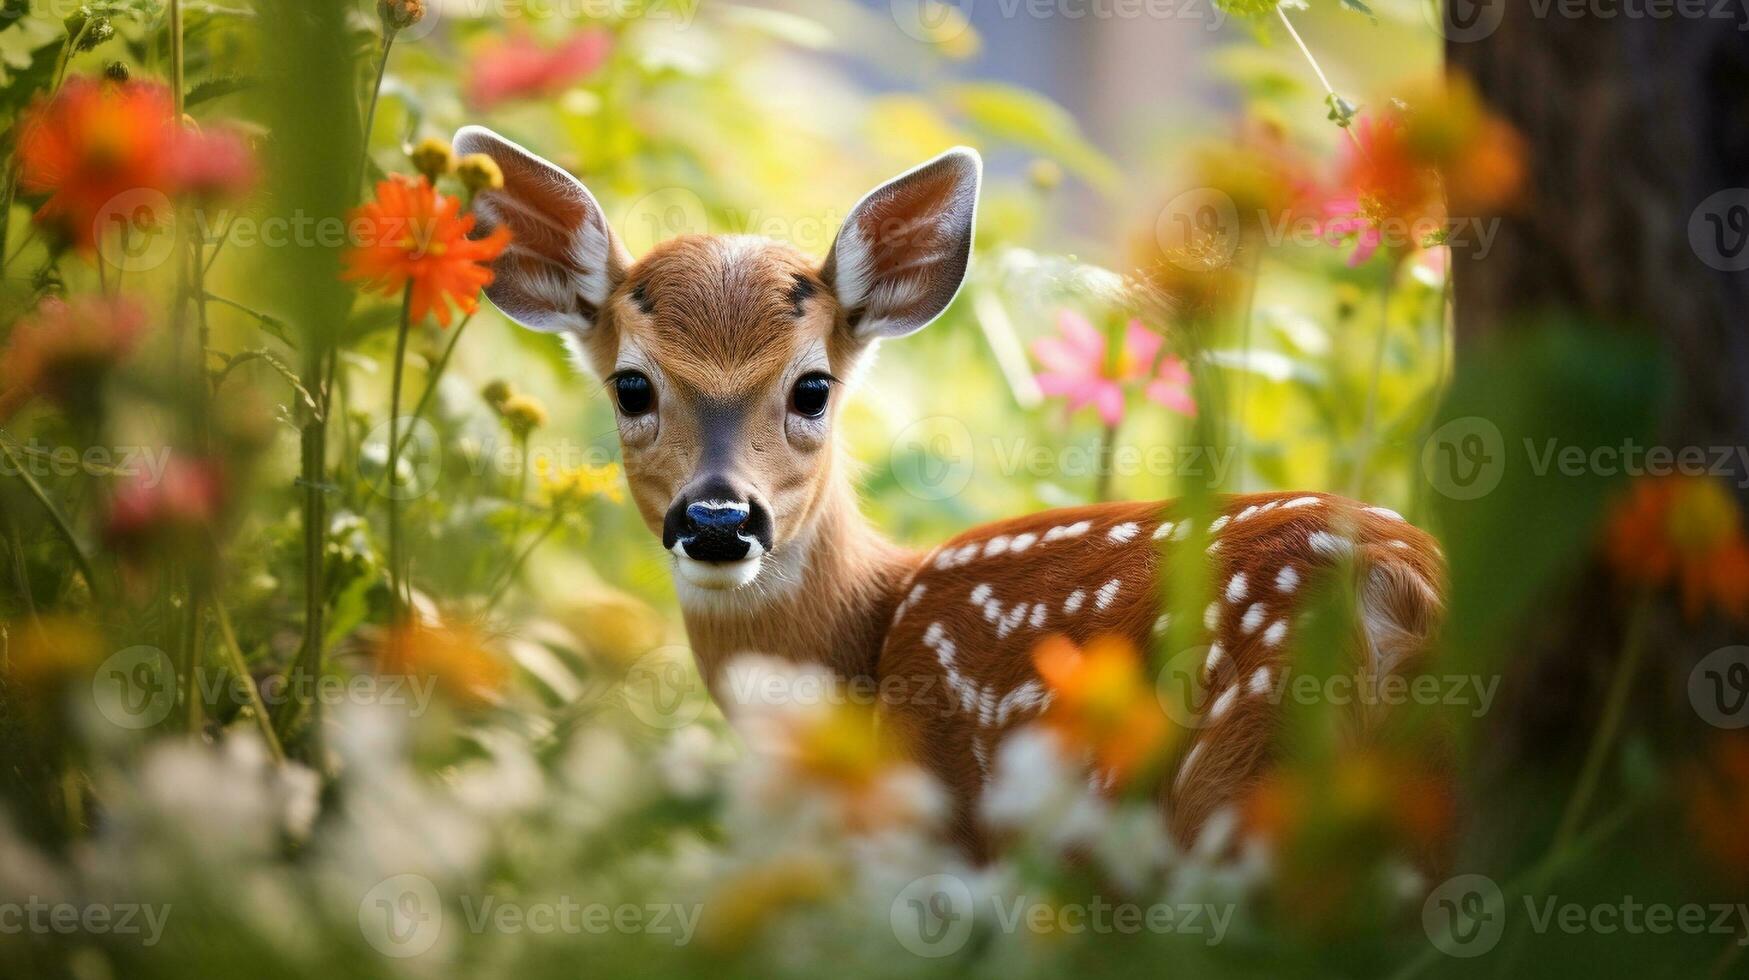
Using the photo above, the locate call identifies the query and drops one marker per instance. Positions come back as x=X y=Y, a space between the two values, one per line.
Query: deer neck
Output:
x=825 y=597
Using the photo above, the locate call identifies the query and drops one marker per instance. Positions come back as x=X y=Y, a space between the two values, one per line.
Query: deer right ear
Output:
x=563 y=261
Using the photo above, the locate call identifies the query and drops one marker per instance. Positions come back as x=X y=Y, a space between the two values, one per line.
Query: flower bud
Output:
x=479 y=172
x=433 y=158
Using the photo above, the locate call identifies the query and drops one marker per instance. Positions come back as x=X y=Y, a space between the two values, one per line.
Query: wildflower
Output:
x=453 y=657
x=496 y=393
x=519 y=67
x=214 y=164
x=1385 y=192
x=116 y=71
x=479 y=172
x=570 y=489
x=1718 y=806
x=418 y=237
x=169 y=516
x=1686 y=530
x=433 y=158
x=64 y=349
x=90 y=144
x=1479 y=156
x=47 y=652
x=1103 y=704
x=1079 y=368
x=523 y=414
x=398 y=15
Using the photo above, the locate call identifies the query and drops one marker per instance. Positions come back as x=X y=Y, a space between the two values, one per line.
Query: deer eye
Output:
x=634 y=392
x=808 y=398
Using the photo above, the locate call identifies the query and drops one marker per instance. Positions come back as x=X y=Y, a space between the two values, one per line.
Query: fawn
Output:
x=725 y=357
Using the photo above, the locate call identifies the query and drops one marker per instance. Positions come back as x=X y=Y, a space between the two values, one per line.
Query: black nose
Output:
x=715 y=522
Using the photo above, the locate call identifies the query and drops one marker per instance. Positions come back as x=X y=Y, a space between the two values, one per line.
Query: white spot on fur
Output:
x=1214 y=659
x=996 y=545
x=1237 y=586
x=1182 y=532
x=1386 y=512
x=1163 y=530
x=1224 y=703
x=1211 y=616
x=981 y=593
x=1030 y=696
x=1398 y=544
x=1260 y=681
x=1022 y=542
x=1276 y=632
x=1301 y=502
x=1106 y=594
x=1219 y=523
x=1039 y=612
x=1162 y=623
x=1253 y=618
x=1186 y=767
x=1287 y=579
x=1325 y=543
x=1247 y=512
x=1072 y=604
x=1122 y=533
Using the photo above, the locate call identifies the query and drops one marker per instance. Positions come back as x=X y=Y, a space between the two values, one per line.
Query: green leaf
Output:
x=22 y=84
x=1359 y=7
x=1342 y=111
x=1034 y=122
x=217 y=88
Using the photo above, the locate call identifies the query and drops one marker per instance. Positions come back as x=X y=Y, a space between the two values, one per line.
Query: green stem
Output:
x=1237 y=422
x=1318 y=70
x=370 y=114
x=1369 y=421
x=435 y=376
x=234 y=652
x=394 y=473
x=176 y=79
x=192 y=654
x=62 y=528
x=1615 y=708
x=1107 y=448
x=515 y=567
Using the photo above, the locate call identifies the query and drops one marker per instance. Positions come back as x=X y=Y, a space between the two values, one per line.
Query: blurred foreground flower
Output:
x=571 y=488
x=1079 y=368
x=455 y=657
x=519 y=67
x=1384 y=193
x=1687 y=530
x=96 y=146
x=1718 y=806
x=417 y=238
x=46 y=652
x=64 y=349
x=1102 y=703
x=156 y=519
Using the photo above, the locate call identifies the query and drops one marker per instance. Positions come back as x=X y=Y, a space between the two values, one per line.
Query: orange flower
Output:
x=1685 y=529
x=415 y=236
x=1718 y=806
x=64 y=349
x=89 y=145
x=1103 y=703
x=455 y=657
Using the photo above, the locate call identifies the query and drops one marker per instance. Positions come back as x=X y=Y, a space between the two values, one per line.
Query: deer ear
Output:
x=902 y=253
x=563 y=261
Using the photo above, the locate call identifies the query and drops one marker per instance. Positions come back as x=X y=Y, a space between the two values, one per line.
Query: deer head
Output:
x=725 y=356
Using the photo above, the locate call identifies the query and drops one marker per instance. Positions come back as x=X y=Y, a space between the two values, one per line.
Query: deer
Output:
x=728 y=359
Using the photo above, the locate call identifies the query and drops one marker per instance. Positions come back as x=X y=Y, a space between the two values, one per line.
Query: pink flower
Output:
x=519 y=67
x=1078 y=368
x=215 y=164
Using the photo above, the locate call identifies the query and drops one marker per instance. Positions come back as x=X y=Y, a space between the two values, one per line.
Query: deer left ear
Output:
x=901 y=256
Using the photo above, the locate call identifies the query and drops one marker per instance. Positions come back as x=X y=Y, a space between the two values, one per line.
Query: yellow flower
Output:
x=454 y=657
x=47 y=652
x=479 y=172
x=524 y=414
x=571 y=488
x=433 y=158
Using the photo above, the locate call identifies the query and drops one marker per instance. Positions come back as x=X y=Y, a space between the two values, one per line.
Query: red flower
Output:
x=415 y=236
x=519 y=67
x=90 y=144
x=63 y=350
x=94 y=142
x=1385 y=193
x=158 y=515
x=1684 y=530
